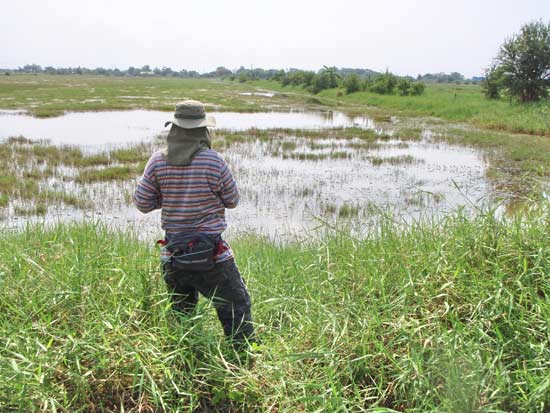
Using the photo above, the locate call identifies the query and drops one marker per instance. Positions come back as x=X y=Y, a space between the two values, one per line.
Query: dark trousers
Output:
x=224 y=286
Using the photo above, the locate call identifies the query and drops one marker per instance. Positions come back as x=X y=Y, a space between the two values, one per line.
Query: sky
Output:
x=404 y=36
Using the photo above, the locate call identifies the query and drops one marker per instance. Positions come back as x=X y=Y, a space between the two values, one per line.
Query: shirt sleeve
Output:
x=147 y=196
x=229 y=193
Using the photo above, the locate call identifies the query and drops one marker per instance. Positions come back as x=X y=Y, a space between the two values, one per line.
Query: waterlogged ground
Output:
x=131 y=126
x=316 y=168
x=285 y=191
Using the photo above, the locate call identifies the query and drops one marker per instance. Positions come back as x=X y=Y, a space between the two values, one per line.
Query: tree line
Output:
x=331 y=77
x=241 y=74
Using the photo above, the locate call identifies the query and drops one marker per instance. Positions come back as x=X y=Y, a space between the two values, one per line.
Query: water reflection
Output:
x=121 y=127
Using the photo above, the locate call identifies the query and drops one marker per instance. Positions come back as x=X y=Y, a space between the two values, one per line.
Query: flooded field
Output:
x=320 y=168
x=130 y=126
x=341 y=181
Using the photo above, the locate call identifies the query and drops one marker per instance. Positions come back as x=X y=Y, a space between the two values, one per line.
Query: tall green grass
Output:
x=446 y=317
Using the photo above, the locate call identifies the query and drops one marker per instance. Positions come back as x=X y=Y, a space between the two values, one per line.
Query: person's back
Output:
x=193 y=186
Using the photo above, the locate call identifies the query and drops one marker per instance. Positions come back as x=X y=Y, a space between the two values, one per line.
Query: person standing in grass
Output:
x=192 y=185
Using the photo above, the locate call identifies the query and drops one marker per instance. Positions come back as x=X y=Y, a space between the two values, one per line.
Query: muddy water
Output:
x=130 y=126
x=290 y=185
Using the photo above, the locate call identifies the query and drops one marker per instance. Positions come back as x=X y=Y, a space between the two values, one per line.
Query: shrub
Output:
x=352 y=83
x=243 y=77
x=492 y=83
x=417 y=88
x=367 y=83
x=404 y=87
x=320 y=81
x=385 y=84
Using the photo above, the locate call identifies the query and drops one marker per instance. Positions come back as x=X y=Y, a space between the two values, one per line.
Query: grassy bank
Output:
x=453 y=317
x=455 y=103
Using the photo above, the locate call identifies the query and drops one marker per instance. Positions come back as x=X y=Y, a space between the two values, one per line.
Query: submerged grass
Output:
x=39 y=208
x=348 y=211
x=394 y=160
x=513 y=159
x=26 y=167
x=446 y=317
x=112 y=173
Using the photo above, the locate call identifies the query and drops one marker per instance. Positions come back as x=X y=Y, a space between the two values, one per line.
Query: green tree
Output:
x=222 y=72
x=404 y=87
x=279 y=75
x=300 y=77
x=384 y=84
x=524 y=61
x=492 y=84
x=367 y=83
x=320 y=81
x=417 y=88
x=352 y=83
x=243 y=77
x=332 y=76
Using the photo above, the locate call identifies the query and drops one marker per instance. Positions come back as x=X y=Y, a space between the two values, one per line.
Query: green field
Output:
x=450 y=316
x=51 y=95
x=453 y=318
x=513 y=136
x=454 y=103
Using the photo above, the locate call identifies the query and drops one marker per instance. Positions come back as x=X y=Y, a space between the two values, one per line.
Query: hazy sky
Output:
x=407 y=37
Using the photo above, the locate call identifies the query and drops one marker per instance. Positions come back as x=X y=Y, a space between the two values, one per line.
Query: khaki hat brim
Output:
x=209 y=120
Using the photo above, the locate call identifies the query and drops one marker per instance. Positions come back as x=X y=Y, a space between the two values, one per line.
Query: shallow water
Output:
x=283 y=196
x=286 y=197
x=129 y=126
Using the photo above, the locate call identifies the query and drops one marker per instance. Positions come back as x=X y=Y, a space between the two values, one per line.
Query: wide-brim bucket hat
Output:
x=190 y=114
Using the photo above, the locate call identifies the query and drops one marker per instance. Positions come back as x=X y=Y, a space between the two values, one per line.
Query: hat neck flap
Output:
x=184 y=144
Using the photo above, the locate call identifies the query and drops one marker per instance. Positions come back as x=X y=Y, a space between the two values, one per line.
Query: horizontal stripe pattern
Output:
x=193 y=198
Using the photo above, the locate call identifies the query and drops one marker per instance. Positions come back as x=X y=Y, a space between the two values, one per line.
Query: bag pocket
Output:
x=194 y=252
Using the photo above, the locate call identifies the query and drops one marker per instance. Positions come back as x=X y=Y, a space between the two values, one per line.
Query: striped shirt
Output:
x=193 y=198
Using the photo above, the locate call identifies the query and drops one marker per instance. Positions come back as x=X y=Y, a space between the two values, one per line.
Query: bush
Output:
x=418 y=88
x=404 y=87
x=367 y=83
x=320 y=81
x=300 y=77
x=352 y=83
x=243 y=77
x=385 y=84
x=492 y=83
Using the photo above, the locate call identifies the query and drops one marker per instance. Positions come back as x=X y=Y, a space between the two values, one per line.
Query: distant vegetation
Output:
x=147 y=71
x=453 y=77
x=330 y=78
x=291 y=76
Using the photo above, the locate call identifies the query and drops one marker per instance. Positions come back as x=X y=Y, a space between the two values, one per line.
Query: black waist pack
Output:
x=192 y=252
